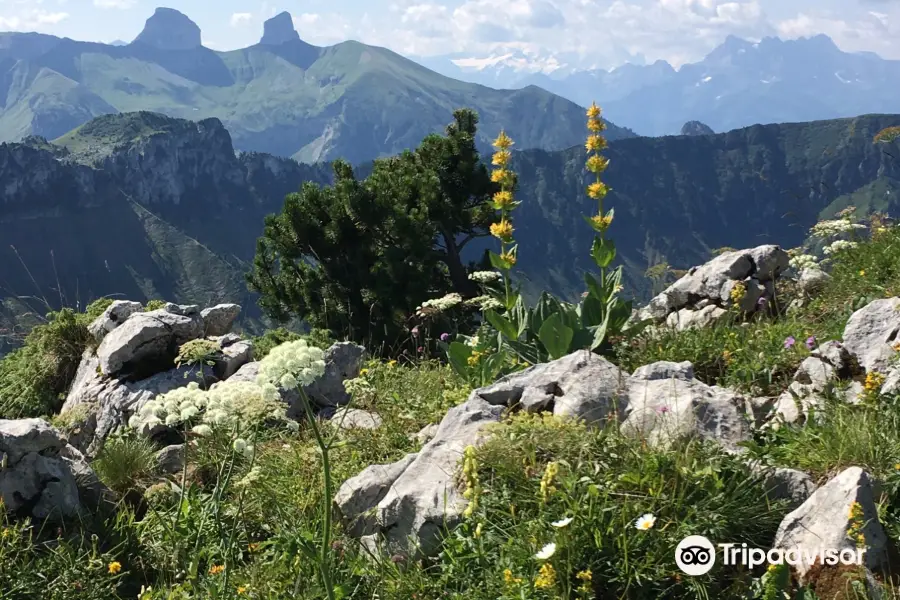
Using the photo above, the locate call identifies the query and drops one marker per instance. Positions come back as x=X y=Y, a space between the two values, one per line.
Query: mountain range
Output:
x=281 y=96
x=141 y=205
x=738 y=84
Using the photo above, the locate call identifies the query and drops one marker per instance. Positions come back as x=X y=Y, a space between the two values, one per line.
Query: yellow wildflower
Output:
x=596 y=125
x=601 y=222
x=508 y=578
x=873 y=381
x=593 y=110
x=474 y=358
x=500 y=175
x=503 y=141
x=363 y=372
x=597 y=190
x=503 y=200
x=477 y=531
x=501 y=158
x=726 y=355
x=241 y=590
x=392 y=363
x=595 y=143
x=502 y=230
x=597 y=163
x=216 y=569
x=547 y=487
x=114 y=567
x=738 y=292
x=546 y=577
x=862 y=272
x=509 y=258
x=585 y=577
x=897 y=466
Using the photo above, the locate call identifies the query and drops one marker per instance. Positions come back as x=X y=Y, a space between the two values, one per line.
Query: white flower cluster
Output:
x=291 y=365
x=484 y=276
x=803 y=261
x=438 y=305
x=484 y=303
x=838 y=246
x=233 y=405
x=828 y=229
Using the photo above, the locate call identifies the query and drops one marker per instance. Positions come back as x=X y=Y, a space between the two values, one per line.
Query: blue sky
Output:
x=601 y=33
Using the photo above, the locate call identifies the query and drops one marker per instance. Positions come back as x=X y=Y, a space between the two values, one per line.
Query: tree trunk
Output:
x=458 y=275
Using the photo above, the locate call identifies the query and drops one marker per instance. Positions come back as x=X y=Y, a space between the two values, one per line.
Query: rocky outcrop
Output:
x=114 y=315
x=842 y=515
x=355 y=418
x=696 y=128
x=404 y=507
x=218 y=319
x=814 y=378
x=134 y=363
x=279 y=30
x=42 y=477
x=664 y=402
x=703 y=294
x=169 y=29
x=872 y=332
x=343 y=361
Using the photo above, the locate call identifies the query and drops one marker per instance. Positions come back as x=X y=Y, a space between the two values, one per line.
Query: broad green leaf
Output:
x=502 y=324
x=593 y=287
x=490 y=366
x=520 y=316
x=555 y=336
x=458 y=354
x=529 y=353
x=600 y=333
x=592 y=311
x=603 y=252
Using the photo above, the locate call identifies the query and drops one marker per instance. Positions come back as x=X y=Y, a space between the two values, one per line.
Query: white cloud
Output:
x=121 y=4
x=239 y=18
x=872 y=31
x=33 y=19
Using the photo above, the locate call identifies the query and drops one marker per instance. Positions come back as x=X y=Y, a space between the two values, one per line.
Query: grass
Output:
x=539 y=480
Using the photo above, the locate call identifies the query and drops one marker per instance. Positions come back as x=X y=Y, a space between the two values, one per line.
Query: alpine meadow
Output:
x=415 y=319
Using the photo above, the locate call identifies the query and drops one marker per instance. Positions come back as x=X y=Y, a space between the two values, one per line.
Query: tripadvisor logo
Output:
x=696 y=555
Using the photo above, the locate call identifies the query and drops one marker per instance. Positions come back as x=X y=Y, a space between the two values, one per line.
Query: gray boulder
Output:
x=355 y=418
x=582 y=385
x=824 y=521
x=786 y=484
x=871 y=332
x=686 y=318
x=664 y=403
x=170 y=459
x=712 y=282
x=97 y=405
x=813 y=280
x=147 y=337
x=233 y=356
x=405 y=507
x=218 y=319
x=114 y=315
x=343 y=361
x=40 y=479
x=813 y=379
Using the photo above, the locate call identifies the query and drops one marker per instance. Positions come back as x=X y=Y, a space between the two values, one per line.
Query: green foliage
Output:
x=126 y=463
x=154 y=304
x=197 y=352
x=263 y=344
x=339 y=256
x=34 y=377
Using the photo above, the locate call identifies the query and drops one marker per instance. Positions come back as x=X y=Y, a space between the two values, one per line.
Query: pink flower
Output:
x=662 y=409
x=420 y=349
x=811 y=342
x=789 y=342
x=415 y=331
x=445 y=337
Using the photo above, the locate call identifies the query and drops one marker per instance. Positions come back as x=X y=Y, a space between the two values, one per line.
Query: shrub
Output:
x=154 y=305
x=126 y=463
x=34 y=377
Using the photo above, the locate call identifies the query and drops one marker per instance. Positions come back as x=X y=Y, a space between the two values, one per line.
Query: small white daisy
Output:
x=645 y=522
x=562 y=522
x=546 y=552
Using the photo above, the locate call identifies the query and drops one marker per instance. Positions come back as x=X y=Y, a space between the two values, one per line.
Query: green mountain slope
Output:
x=290 y=99
x=678 y=198
x=143 y=205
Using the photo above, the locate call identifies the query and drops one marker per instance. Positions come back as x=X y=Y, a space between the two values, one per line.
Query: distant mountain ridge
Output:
x=141 y=205
x=281 y=96
x=738 y=84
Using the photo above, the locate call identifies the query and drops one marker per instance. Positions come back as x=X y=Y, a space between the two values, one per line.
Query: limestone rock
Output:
x=872 y=331
x=792 y=485
x=39 y=478
x=218 y=319
x=169 y=29
x=170 y=459
x=686 y=318
x=150 y=338
x=662 y=409
x=343 y=361
x=823 y=521
x=813 y=379
x=355 y=418
x=279 y=30
x=424 y=435
x=114 y=315
x=581 y=384
x=813 y=280
x=233 y=357
x=409 y=504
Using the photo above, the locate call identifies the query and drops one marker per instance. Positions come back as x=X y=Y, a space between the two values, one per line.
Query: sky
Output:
x=591 y=33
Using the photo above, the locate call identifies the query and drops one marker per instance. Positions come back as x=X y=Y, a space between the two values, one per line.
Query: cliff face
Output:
x=136 y=205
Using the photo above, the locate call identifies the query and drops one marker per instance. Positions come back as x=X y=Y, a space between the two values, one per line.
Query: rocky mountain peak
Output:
x=169 y=29
x=279 y=30
x=696 y=128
